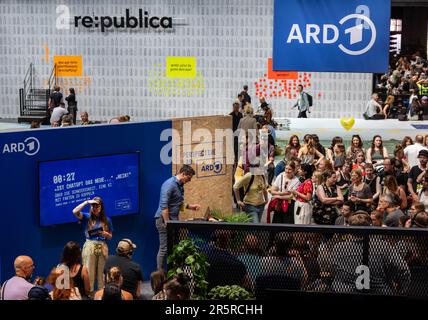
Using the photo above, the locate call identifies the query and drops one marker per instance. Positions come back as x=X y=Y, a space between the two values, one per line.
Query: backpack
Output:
x=309 y=98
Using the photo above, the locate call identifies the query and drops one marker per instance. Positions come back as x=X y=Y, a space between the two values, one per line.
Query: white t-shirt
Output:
x=57 y=113
x=412 y=153
x=287 y=184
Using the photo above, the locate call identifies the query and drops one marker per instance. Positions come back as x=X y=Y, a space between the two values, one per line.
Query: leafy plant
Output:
x=239 y=217
x=233 y=292
x=185 y=258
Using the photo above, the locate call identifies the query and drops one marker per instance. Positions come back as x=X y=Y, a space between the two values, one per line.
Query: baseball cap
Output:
x=423 y=153
x=126 y=245
x=424 y=98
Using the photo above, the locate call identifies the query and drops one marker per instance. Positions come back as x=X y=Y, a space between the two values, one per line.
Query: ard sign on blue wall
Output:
x=331 y=35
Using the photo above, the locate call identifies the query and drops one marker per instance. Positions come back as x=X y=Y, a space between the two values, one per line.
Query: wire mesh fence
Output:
x=266 y=258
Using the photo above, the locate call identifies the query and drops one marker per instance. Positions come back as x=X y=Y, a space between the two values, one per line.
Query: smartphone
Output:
x=298 y=210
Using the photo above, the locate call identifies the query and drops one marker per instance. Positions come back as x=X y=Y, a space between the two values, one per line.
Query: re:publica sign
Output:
x=131 y=22
x=143 y=20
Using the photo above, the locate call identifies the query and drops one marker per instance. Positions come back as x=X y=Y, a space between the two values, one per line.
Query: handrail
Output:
x=28 y=81
x=52 y=78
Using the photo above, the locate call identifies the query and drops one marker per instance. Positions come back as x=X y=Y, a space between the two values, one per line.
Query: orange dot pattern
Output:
x=271 y=88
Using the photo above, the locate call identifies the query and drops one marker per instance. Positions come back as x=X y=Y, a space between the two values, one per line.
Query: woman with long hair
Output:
x=68 y=291
x=293 y=143
x=308 y=152
x=355 y=147
x=72 y=104
x=391 y=187
x=330 y=150
x=407 y=141
x=359 y=192
x=360 y=162
x=377 y=152
x=388 y=105
x=72 y=258
x=97 y=229
x=328 y=196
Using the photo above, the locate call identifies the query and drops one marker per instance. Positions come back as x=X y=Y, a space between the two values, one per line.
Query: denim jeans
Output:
x=163 y=245
x=256 y=212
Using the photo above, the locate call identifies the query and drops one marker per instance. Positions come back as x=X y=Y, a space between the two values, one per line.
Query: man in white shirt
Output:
x=17 y=288
x=372 y=107
x=412 y=151
x=57 y=114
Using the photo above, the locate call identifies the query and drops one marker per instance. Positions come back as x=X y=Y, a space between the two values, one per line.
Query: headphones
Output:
x=130 y=251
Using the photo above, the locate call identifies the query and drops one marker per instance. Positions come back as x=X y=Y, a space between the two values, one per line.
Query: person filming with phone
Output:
x=97 y=229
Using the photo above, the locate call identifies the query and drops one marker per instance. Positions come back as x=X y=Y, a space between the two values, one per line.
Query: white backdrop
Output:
x=124 y=71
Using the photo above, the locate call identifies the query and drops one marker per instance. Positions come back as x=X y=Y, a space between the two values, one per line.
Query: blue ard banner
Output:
x=331 y=35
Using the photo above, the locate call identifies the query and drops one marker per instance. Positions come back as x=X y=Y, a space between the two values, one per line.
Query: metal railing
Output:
x=27 y=88
x=329 y=259
x=53 y=78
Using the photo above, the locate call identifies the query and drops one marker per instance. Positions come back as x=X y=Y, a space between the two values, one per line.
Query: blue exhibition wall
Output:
x=20 y=154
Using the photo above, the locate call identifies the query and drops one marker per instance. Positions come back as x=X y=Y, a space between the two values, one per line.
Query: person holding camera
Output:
x=97 y=229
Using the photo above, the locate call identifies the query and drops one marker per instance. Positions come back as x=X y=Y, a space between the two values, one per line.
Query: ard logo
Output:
x=208 y=168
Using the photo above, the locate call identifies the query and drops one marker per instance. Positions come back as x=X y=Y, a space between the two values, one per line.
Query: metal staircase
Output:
x=34 y=103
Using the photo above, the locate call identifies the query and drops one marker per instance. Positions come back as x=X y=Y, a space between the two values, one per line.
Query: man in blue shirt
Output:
x=171 y=203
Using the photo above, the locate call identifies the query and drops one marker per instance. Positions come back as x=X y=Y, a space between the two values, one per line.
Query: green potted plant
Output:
x=233 y=292
x=185 y=258
x=239 y=217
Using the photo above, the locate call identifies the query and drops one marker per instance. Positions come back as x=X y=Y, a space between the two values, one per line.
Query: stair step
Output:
x=36 y=106
x=29 y=118
x=39 y=90
x=34 y=112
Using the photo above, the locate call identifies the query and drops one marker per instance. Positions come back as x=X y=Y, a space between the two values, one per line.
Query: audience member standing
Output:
x=412 y=151
x=72 y=104
x=236 y=118
x=55 y=98
x=246 y=97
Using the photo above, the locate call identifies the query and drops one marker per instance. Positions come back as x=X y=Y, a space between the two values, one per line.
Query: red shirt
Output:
x=305 y=188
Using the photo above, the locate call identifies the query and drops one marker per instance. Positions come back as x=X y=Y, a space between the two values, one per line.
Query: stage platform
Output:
x=327 y=128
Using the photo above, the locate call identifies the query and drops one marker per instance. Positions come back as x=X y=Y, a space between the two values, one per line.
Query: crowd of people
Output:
x=90 y=272
x=317 y=185
x=401 y=93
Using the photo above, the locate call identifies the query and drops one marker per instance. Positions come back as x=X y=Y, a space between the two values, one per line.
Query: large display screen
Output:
x=66 y=183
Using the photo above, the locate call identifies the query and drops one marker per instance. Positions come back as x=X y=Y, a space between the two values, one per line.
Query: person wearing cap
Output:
x=131 y=270
x=414 y=180
x=17 y=287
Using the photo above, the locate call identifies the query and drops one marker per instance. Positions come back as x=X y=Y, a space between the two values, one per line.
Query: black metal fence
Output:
x=265 y=258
